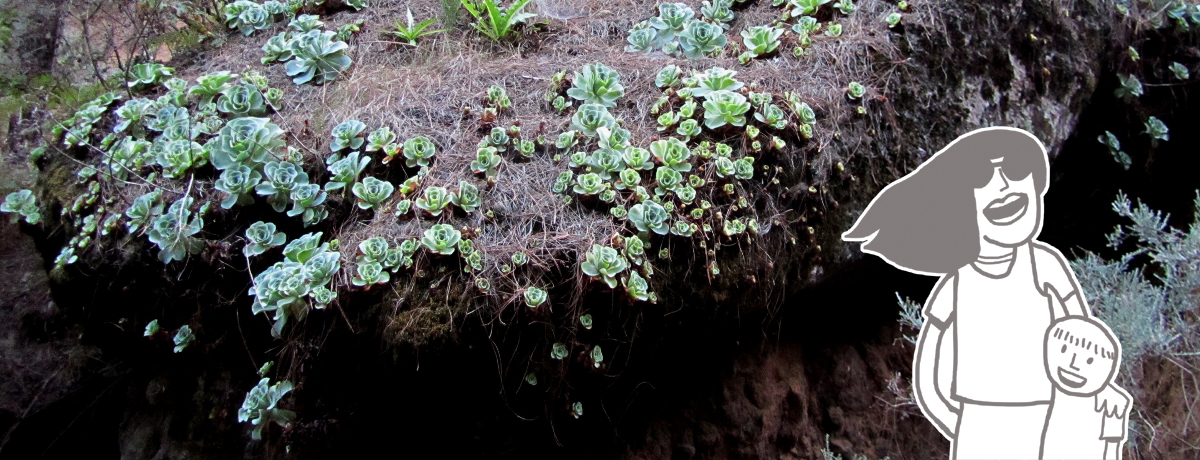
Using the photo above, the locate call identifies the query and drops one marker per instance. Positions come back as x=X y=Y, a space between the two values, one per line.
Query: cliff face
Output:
x=794 y=342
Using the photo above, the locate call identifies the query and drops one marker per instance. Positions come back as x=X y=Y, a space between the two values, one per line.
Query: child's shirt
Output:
x=1078 y=427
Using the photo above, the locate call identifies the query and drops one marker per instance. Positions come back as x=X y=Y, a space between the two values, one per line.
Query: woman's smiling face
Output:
x=1008 y=210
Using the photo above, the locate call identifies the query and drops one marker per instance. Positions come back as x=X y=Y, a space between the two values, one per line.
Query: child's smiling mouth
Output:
x=1071 y=379
x=1004 y=211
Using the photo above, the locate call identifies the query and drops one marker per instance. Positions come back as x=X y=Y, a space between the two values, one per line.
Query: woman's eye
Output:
x=1090 y=360
x=1064 y=349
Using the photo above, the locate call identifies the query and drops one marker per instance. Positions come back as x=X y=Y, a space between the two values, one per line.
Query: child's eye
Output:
x=1064 y=349
x=1090 y=360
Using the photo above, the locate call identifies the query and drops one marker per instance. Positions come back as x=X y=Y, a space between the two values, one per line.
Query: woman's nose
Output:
x=1073 y=355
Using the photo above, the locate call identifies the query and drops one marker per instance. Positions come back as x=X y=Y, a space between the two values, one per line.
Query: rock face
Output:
x=820 y=367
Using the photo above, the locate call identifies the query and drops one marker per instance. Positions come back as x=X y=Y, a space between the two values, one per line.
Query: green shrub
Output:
x=494 y=21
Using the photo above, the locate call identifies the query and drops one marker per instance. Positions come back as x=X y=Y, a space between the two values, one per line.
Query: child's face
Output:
x=1007 y=210
x=1080 y=356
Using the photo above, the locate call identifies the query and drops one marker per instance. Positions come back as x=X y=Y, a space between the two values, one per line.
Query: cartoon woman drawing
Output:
x=970 y=214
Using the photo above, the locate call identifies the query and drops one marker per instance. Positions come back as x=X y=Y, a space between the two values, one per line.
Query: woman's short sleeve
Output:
x=940 y=306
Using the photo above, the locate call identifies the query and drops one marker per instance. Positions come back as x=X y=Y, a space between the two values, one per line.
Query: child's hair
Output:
x=925 y=222
x=1086 y=333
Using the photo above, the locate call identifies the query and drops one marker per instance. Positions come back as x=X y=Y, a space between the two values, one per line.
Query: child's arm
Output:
x=1113 y=403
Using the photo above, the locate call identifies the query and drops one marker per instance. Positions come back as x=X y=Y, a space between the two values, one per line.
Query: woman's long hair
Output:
x=925 y=222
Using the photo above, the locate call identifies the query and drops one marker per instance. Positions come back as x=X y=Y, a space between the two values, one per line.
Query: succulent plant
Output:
x=244 y=141
x=242 y=101
x=641 y=38
x=370 y=273
x=280 y=178
x=498 y=139
x=467 y=197
x=668 y=76
x=209 y=86
x=347 y=134
x=380 y=138
x=277 y=49
x=567 y=139
x=558 y=351
x=649 y=216
x=318 y=57
x=519 y=258
x=806 y=7
x=605 y=263
x=562 y=182
x=173 y=231
x=183 y=338
x=246 y=16
x=345 y=172
x=671 y=20
x=308 y=202
x=498 y=98
x=418 y=151
x=605 y=163
x=435 y=200
x=845 y=6
x=672 y=153
x=744 y=168
x=534 y=296
x=151 y=73
x=237 y=182
x=771 y=115
x=441 y=239
x=715 y=79
x=142 y=211
x=688 y=129
x=22 y=203
x=1157 y=130
x=760 y=40
x=589 y=117
x=628 y=178
x=638 y=158
x=637 y=287
x=306 y=22
x=589 y=184
x=261 y=407
x=855 y=90
x=718 y=12
x=372 y=192
x=597 y=84
x=260 y=237
x=486 y=162
x=893 y=19
x=668 y=180
x=725 y=107
x=700 y=39
x=179 y=156
x=1131 y=87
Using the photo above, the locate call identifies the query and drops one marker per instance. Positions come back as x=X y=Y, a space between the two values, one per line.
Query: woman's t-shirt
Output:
x=1001 y=322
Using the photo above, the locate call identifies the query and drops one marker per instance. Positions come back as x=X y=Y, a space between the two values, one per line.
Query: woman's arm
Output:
x=933 y=364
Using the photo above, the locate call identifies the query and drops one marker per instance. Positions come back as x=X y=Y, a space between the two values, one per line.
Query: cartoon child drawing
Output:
x=970 y=214
x=1082 y=357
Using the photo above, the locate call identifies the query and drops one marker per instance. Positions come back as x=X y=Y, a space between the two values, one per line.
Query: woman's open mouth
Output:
x=1007 y=210
x=1071 y=379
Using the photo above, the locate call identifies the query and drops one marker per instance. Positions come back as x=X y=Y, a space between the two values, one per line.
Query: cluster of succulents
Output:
x=684 y=185
x=805 y=14
x=677 y=31
x=377 y=260
x=221 y=121
x=312 y=55
x=290 y=288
